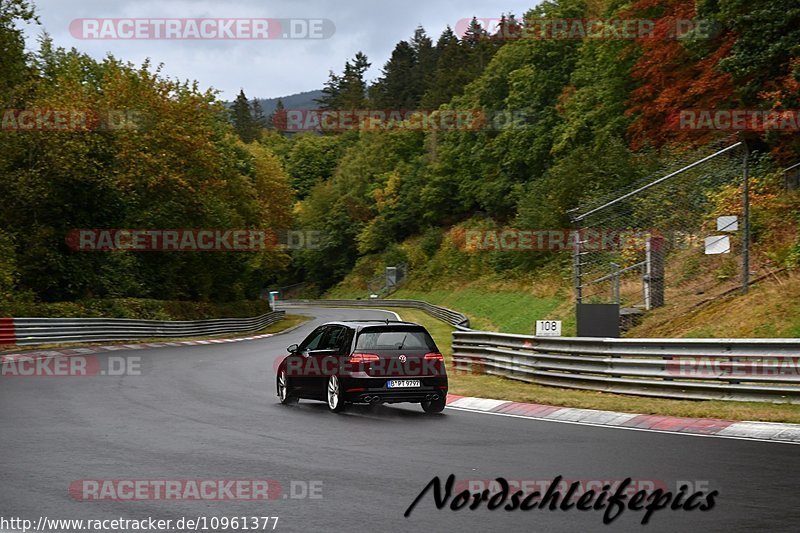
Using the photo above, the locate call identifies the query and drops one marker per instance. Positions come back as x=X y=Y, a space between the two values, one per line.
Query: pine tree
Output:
x=349 y=90
x=330 y=92
x=277 y=120
x=476 y=39
x=508 y=29
x=259 y=119
x=447 y=80
x=475 y=33
x=407 y=75
x=353 y=87
x=426 y=57
x=395 y=89
x=242 y=118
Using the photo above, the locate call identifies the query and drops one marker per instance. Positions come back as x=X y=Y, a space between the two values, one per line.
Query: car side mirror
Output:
x=292 y=348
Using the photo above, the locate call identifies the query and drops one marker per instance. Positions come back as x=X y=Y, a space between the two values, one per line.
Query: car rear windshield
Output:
x=394 y=338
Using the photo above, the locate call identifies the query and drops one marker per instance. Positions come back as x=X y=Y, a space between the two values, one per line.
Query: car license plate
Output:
x=402 y=383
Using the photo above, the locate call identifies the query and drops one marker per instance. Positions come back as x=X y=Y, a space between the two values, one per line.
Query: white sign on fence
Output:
x=718 y=244
x=548 y=328
x=728 y=223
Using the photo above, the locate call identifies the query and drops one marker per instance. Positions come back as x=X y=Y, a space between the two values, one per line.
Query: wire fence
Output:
x=389 y=281
x=679 y=233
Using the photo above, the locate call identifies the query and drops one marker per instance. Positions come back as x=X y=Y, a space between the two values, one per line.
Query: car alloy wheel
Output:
x=283 y=389
x=335 y=402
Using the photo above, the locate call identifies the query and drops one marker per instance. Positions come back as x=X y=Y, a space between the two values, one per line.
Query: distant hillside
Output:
x=304 y=100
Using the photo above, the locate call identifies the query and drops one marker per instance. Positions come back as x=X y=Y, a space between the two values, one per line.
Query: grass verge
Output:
x=769 y=309
x=495 y=309
x=516 y=391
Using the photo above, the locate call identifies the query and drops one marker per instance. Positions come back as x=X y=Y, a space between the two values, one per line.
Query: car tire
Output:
x=434 y=406
x=333 y=395
x=286 y=397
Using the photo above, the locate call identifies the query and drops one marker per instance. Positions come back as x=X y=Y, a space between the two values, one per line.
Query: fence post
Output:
x=576 y=265
x=654 y=278
x=614 y=283
x=746 y=222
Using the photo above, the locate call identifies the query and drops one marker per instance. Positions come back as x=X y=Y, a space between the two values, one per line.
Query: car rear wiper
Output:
x=403 y=342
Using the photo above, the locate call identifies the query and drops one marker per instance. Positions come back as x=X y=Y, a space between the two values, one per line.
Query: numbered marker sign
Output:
x=548 y=328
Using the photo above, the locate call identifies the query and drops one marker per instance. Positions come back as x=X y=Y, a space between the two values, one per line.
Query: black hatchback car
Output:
x=365 y=362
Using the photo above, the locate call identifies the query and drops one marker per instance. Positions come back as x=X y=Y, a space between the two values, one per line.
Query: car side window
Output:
x=334 y=340
x=347 y=341
x=314 y=340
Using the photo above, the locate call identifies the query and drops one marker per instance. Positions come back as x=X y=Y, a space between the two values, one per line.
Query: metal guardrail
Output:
x=25 y=331
x=453 y=318
x=709 y=369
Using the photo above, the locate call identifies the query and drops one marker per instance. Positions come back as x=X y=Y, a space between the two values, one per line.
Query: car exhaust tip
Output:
x=376 y=399
x=367 y=398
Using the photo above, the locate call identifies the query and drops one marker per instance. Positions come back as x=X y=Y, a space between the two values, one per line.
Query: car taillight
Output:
x=363 y=358
x=434 y=356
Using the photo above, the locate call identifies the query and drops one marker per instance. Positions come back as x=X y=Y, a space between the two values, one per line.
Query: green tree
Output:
x=242 y=118
x=519 y=91
x=259 y=119
x=174 y=163
x=425 y=55
x=348 y=91
x=396 y=88
x=408 y=74
x=458 y=62
x=594 y=102
x=312 y=159
x=14 y=70
x=767 y=39
x=330 y=92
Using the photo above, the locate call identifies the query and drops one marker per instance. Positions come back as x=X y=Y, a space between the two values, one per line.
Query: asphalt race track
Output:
x=210 y=412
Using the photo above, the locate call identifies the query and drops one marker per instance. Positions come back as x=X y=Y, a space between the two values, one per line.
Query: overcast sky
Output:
x=264 y=68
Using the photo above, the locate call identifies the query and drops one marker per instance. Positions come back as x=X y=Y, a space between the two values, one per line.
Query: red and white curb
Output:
x=85 y=350
x=705 y=427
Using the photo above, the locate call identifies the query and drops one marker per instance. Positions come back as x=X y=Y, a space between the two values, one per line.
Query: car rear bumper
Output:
x=365 y=391
x=415 y=396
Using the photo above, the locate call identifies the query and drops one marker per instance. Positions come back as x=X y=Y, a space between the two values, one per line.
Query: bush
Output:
x=135 y=308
